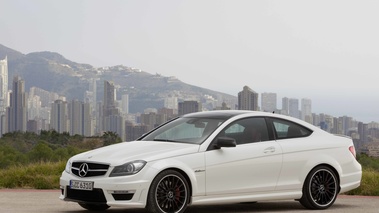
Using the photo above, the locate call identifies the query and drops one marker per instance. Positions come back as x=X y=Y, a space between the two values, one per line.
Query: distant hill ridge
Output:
x=53 y=72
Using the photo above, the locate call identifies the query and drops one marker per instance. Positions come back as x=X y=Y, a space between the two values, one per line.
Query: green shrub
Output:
x=369 y=184
x=37 y=176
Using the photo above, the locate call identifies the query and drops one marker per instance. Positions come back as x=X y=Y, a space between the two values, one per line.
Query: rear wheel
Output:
x=320 y=188
x=94 y=207
x=169 y=193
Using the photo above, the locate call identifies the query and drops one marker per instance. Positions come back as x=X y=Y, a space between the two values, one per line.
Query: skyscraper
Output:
x=186 y=107
x=171 y=102
x=247 y=99
x=306 y=110
x=80 y=118
x=3 y=85
x=59 y=116
x=268 y=102
x=125 y=104
x=112 y=118
x=285 y=106
x=93 y=90
x=115 y=123
x=17 y=111
x=293 y=108
x=109 y=99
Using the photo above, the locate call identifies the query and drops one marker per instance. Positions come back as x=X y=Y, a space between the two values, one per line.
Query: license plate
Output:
x=81 y=185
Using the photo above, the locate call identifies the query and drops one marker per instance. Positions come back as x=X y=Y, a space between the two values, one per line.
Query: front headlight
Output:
x=128 y=168
x=68 y=167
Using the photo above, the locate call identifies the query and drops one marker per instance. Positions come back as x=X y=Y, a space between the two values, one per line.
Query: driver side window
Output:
x=248 y=130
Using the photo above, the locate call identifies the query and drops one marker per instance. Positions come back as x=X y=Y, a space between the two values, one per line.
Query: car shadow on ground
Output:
x=285 y=206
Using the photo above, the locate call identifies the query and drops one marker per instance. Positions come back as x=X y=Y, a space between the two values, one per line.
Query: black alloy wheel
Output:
x=320 y=188
x=169 y=193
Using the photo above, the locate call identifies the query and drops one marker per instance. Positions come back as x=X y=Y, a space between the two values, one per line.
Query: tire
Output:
x=94 y=207
x=320 y=188
x=169 y=193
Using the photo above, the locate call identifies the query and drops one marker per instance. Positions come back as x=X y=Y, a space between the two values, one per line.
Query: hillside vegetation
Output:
x=35 y=161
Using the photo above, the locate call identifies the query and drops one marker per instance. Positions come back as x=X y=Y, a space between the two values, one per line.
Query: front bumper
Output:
x=130 y=191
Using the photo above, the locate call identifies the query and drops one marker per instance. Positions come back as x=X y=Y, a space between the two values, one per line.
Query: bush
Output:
x=37 y=176
x=369 y=184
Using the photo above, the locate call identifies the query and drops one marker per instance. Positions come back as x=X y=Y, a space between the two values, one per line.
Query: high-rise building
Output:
x=152 y=120
x=134 y=131
x=34 y=103
x=59 y=116
x=32 y=126
x=46 y=97
x=3 y=85
x=285 y=106
x=93 y=91
x=3 y=95
x=268 y=102
x=80 y=118
x=169 y=113
x=306 y=110
x=337 y=126
x=17 y=111
x=171 y=102
x=113 y=121
x=293 y=108
x=362 y=131
x=186 y=107
x=125 y=103
x=99 y=120
x=109 y=98
x=247 y=99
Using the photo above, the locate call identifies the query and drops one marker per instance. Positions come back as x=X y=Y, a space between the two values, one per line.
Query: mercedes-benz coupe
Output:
x=215 y=157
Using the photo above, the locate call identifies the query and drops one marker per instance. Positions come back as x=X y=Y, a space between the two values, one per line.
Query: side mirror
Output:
x=225 y=142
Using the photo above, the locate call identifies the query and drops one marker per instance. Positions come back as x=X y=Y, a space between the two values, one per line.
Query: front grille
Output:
x=95 y=196
x=84 y=169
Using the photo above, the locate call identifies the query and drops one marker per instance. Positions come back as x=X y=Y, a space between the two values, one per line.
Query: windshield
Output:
x=185 y=130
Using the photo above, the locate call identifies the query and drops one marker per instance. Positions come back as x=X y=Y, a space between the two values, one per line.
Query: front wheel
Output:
x=94 y=207
x=320 y=188
x=169 y=193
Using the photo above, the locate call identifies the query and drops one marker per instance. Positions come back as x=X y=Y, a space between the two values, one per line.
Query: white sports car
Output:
x=215 y=157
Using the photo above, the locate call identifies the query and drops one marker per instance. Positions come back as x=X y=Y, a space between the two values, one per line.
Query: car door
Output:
x=252 y=166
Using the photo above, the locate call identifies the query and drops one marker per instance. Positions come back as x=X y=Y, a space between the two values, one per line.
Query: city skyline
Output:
x=110 y=94
x=110 y=105
x=77 y=116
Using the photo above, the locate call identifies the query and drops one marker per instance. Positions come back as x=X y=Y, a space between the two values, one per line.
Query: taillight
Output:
x=352 y=150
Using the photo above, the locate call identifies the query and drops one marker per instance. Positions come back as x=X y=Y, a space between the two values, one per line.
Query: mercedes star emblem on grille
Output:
x=83 y=170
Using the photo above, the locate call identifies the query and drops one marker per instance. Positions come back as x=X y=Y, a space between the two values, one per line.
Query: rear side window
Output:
x=285 y=129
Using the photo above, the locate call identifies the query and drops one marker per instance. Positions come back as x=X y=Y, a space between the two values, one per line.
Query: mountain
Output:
x=53 y=72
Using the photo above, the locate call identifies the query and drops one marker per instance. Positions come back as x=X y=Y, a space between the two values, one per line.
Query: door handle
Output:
x=270 y=149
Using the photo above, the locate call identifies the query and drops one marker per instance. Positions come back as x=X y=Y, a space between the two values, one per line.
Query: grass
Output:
x=36 y=176
x=369 y=184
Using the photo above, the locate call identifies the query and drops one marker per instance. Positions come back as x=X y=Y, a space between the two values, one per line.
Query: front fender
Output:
x=192 y=166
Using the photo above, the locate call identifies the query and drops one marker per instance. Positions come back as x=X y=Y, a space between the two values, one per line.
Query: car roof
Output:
x=221 y=114
x=226 y=114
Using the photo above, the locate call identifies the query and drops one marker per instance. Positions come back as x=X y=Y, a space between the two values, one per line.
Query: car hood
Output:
x=137 y=150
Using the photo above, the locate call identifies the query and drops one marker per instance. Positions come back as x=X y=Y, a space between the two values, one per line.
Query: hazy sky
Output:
x=327 y=51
